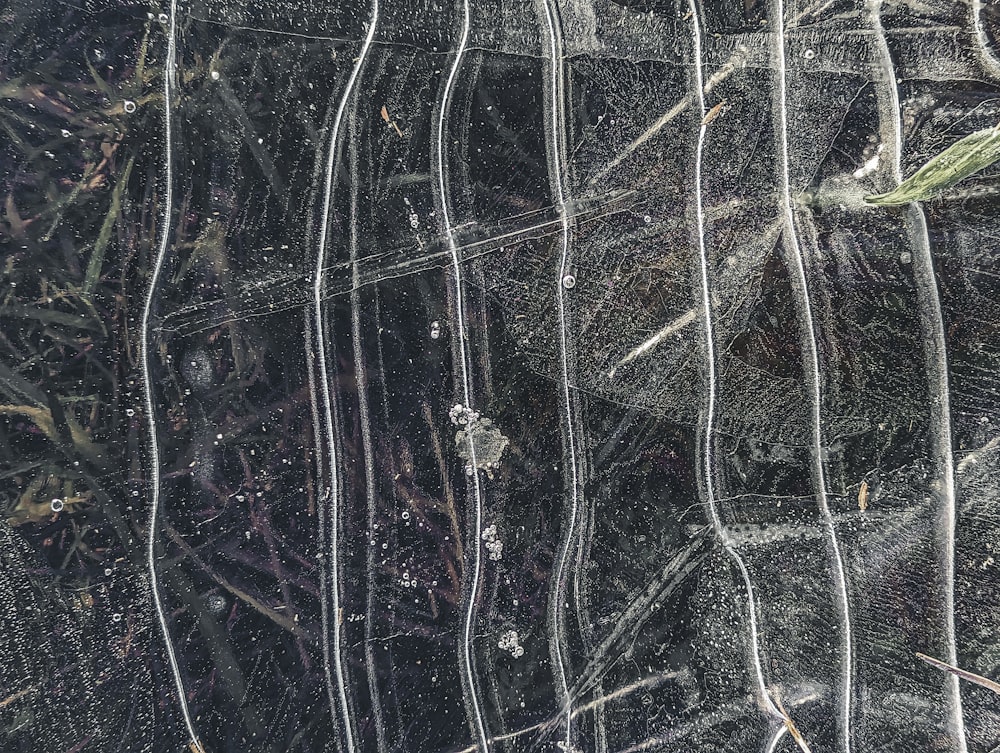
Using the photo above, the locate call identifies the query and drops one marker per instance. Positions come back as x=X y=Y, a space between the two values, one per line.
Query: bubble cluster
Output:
x=494 y=546
x=510 y=641
x=216 y=603
x=462 y=416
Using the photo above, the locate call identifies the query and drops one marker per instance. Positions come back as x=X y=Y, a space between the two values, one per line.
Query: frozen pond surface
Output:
x=426 y=377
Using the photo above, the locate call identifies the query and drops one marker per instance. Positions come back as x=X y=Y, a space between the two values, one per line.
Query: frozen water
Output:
x=504 y=376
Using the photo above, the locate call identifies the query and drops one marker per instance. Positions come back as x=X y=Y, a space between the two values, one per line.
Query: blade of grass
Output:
x=965 y=157
x=48 y=316
x=962 y=673
x=96 y=261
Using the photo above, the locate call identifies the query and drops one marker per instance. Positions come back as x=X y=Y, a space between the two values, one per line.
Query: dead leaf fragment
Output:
x=390 y=121
x=715 y=112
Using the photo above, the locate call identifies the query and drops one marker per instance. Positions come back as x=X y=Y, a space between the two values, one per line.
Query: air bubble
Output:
x=163 y=18
x=809 y=54
x=405 y=515
x=129 y=106
x=647 y=219
x=569 y=282
x=116 y=617
x=435 y=329
x=66 y=134
x=56 y=505
x=215 y=75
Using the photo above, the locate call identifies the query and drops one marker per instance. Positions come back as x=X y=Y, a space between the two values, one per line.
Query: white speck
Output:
x=870 y=166
x=215 y=75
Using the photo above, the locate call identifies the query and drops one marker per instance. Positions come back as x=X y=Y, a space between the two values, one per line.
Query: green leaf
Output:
x=104 y=236
x=960 y=160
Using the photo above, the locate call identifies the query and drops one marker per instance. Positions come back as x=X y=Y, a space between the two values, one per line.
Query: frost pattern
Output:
x=511 y=376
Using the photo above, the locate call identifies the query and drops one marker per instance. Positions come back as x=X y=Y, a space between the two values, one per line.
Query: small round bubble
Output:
x=215 y=75
x=128 y=106
x=569 y=282
x=809 y=54
x=163 y=18
x=56 y=505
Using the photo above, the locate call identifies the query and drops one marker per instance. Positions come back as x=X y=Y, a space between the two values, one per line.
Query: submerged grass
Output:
x=965 y=157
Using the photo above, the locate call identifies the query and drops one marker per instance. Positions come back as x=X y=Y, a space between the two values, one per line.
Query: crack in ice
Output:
x=169 y=74
x=465 y=659
x=327 y=387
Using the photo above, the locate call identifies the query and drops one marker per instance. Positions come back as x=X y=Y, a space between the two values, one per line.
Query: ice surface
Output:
x=502 y=376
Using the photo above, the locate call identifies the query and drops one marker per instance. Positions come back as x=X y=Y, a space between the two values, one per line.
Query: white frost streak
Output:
x=327 y=387
x=708 y=461
x=932 y=322
x=364 y=418
x=812 y=374
x=169 y=73
x=558 y=594
x=473 y=706
x=670 y=328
